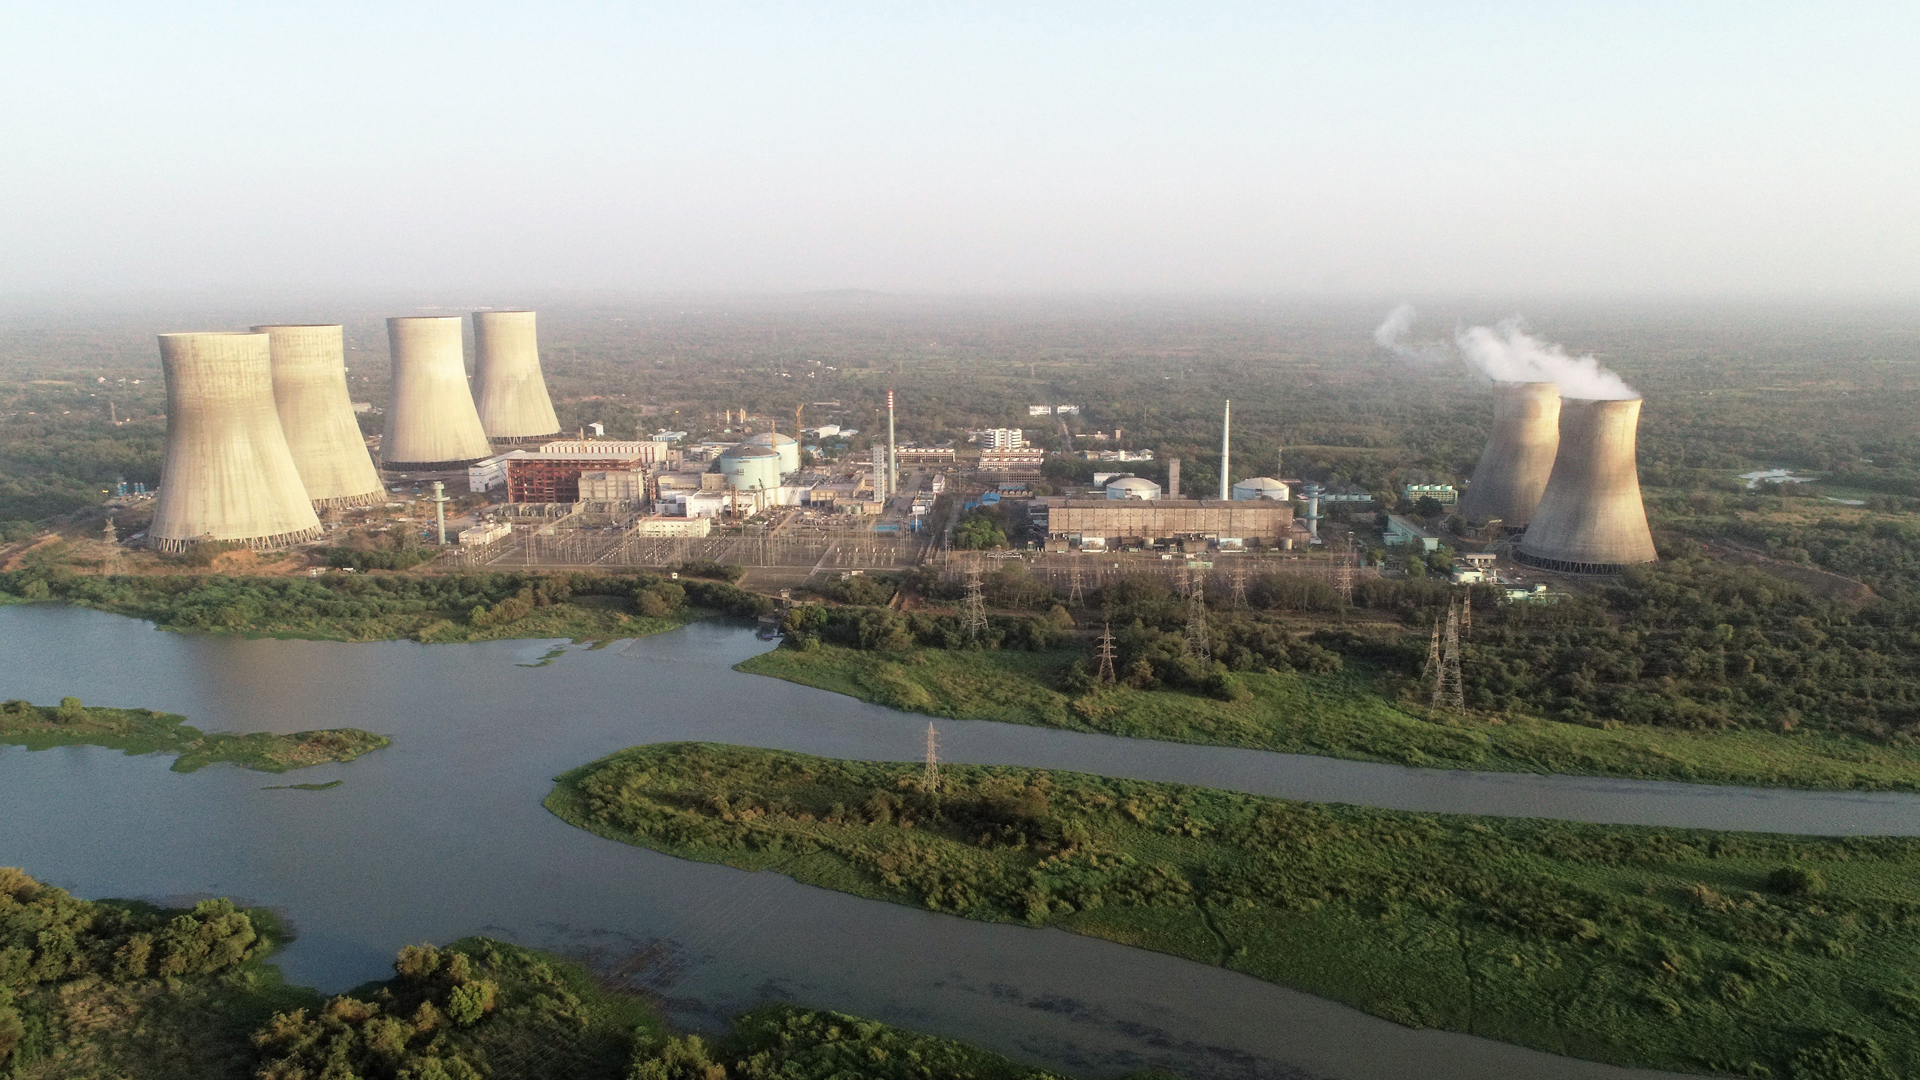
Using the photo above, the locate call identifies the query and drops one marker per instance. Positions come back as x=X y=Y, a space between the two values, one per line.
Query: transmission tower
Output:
x=930 y=782
x=1466 y=614
x=1106 y=655
x=1448 y=691
x=1075 y=593
x=1237 y=585
x=1343 y=574
x=1197 y=621
x=976 y=609
x=1432 y=667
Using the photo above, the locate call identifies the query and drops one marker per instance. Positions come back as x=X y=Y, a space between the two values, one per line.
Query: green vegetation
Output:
x=372 y=607
x=1341 y=714
x=1712 y=952
x=143 y=731
x=101 y=990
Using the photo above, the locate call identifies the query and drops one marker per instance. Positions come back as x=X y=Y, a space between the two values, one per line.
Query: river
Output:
x=442 y=835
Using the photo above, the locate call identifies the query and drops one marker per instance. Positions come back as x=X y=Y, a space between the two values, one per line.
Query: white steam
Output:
x=1508 y=353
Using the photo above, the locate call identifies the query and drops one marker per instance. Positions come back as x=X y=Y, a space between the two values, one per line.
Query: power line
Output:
x=930 y=783
x=1106 y=655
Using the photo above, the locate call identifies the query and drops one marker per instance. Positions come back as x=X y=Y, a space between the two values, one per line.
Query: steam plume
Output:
x=1508 y=353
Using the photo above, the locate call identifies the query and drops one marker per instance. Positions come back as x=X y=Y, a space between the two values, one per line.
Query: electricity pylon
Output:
x=1197 y=621
x=1448 y=688
x=1237 y=585
x=1075 y=595
x=1106 y=655
x=930 y=782
x=976 y=609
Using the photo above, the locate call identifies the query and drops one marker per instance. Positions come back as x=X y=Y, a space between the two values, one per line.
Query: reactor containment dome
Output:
x=784 y=445
x=316 y=413
x=509 y=388
x=432 y=425
x=229 y=476
x=748 y=467
x=1518 y=459
x=1590 y=519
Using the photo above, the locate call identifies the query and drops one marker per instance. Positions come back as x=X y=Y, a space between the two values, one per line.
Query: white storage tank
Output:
x=1133 y=487
x=1260 y=487
x=751 y=468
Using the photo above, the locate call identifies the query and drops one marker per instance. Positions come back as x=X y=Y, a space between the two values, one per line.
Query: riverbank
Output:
x=143 y=731
x=1680 y=949
x=1338 y=715
x=127 y=989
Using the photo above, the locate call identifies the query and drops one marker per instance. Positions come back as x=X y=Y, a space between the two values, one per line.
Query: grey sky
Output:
x=1701 y=148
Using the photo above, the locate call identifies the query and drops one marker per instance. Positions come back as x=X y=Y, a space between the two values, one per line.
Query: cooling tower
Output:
x=432 y=425
x=228 y=474
x=511 y=392
x=316 y=412
x=1514 y=467
x=1590 y=520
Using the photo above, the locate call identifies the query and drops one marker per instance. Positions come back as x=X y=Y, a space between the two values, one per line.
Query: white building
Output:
x=485 y=533
x=1039 y=410
x=1001 y=438
x=673 y=526
x=489 y=473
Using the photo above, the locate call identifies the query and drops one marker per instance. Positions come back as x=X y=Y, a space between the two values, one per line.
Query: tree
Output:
x=70 y=711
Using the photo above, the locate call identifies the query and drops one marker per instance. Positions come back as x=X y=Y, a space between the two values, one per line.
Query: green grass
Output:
x=1678 y=949
x=1339 y=715
x=144 y=731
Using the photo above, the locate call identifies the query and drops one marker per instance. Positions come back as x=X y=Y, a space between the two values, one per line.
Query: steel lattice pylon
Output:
x=1106 y=655
x=1197 y=643
x=1448 y=689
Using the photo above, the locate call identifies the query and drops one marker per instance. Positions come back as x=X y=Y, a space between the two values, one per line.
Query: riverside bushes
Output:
x=144 y=731
x=1651 y=947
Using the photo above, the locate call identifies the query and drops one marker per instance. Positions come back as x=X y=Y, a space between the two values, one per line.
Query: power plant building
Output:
x=432 y=425
x=316 y=415
x=787 y=447
x=1519 y=456
x=1133 y=487
x=229 y=475
x=1590 y=519
x=1260 y=487
x=553 y=473
x=751 y=467
x=1095 y=524
x=509 y=387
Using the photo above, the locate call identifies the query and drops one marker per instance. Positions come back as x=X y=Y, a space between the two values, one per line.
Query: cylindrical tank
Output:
x=229 y=475
x=1590 y=519
x=1513 y=469
x=786 y=446
x=431 y=422
x=1261 y=487
x=316 y=413
x=1133 y=487
x=509 y=389
x=749 y=467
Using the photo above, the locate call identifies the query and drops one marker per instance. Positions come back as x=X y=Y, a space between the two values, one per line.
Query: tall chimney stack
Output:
x=1226 y=430
x=893 y=460
x=1173 y=478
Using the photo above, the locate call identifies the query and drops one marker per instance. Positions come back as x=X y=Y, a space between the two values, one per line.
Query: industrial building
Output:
x=1514 y=467
x=1444 y=494
x=1026 y=462
x=316 y=415
x=1133 y=487
x=509 y=387
x=1590 y=519
x=1002 y=439
x=1402 y=532
x=432 y=425
x=229 y=474
x=1261 y=487
x=1095 y=524
x=751 y=466
x=552 y=473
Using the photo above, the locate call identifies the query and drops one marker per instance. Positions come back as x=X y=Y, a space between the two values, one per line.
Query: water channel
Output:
x=442 y=835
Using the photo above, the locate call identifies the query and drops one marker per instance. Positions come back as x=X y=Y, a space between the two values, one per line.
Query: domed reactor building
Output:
x=1590 y=519
x=229 y=474
x=432 y=425
x=316 y=413
x=510 y=389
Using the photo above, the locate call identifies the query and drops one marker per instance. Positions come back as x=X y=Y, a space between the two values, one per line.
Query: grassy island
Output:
x=144 y=731
x=1754 y=955
x=1340 y=714
x=99 y=990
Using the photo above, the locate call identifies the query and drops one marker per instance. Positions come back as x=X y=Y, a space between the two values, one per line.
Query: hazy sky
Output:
x=1659 y=148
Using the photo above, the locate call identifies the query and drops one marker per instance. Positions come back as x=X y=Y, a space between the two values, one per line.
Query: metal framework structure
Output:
x=1448 y=690
x=930 y=781
x=1106 y=655
x=1197 y=643
x=976 y=607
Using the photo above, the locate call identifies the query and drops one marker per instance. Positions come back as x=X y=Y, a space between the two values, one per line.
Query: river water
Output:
x=442 y=835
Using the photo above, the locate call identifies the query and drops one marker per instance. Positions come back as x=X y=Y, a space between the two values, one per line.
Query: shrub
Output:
x=1796 y=881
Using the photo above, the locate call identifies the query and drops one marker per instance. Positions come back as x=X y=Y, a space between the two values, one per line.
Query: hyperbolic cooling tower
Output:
x=1514 y=467
x=316 y=412
x=229 y=474
x=1590 y=520
x=431 y=422
x=511 y=392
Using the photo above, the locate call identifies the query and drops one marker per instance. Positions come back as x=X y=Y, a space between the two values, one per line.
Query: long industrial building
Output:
x=316 y=414
x=1518 y=459
x=509 y=387
x=552 y=473
x=1103 y=523
x=432 y=425
x=229 y=475
x=1590 y=519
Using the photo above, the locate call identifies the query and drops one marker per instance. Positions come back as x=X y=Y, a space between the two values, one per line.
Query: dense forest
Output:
x=100 y=990
x=1721 y=953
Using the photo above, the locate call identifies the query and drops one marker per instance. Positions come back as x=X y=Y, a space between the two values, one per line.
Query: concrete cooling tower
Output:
x=229 y=475
x=432 y=425
x=1514 y=467
x=316 y=412
x=1590 y=520
x=512 y=394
